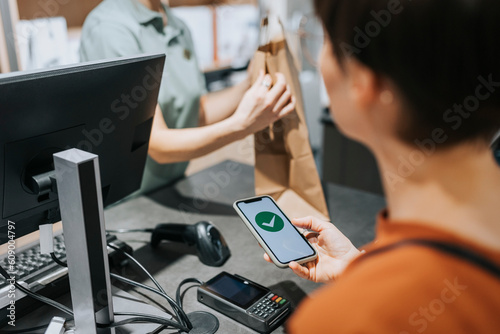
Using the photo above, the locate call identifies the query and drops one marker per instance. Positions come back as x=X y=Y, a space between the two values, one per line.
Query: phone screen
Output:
x=282 y=238
x=237 y=291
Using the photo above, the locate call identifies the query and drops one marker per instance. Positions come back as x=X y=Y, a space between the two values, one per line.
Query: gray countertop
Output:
x=208 y=195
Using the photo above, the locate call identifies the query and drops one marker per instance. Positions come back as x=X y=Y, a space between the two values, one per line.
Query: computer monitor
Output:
x=105 y=108
x=79 y=132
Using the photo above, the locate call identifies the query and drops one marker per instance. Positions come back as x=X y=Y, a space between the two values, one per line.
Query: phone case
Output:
x=261 y=241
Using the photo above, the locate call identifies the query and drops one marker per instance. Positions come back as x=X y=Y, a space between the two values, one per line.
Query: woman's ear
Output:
x=363 y=85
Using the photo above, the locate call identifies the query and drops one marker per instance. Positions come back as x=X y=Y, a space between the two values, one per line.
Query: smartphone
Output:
x=274 y=231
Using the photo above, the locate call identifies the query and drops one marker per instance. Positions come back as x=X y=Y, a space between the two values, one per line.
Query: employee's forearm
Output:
x=220 y=105
x=176 y=145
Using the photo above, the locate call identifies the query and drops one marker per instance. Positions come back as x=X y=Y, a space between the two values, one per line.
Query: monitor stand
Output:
x=82 y=214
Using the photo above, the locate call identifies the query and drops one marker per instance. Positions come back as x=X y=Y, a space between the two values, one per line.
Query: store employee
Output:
x=131 y=27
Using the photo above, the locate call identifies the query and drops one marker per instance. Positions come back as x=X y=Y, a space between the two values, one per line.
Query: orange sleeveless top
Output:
x=406 y=290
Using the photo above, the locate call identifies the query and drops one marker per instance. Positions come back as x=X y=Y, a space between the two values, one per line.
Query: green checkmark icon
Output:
x=269 y=221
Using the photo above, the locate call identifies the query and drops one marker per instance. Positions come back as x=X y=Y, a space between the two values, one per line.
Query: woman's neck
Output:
x=156 y=5
x=454 y=189
x=152 y=4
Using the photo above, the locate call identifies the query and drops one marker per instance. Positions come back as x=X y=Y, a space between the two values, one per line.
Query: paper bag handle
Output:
x=265 y=30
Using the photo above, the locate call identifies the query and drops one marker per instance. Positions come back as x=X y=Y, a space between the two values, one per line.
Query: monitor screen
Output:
x=103 y=107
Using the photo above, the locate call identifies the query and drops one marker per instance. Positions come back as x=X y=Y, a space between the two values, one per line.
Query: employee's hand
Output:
x=263 y=105
x=335 y=251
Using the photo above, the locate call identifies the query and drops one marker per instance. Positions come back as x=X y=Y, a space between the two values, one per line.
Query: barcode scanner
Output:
x=211 y=247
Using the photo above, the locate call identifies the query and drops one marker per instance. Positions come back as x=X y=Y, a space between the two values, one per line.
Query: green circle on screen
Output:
x=269 y=221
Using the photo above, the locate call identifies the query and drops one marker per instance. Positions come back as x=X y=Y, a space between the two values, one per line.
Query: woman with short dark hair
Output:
x=417 y=82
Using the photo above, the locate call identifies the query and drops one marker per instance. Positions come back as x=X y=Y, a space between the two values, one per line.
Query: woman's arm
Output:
x=220 y=105
x=259 y=108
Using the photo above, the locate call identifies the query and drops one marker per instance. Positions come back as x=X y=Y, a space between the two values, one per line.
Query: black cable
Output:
x=26 y=330
x=149 y=288
x=146 y=318
x=133 y=259
x=57 y=260
x=132 y=230
x=158 y=330
x=181 y=315
x=178 y=296
x=137 y=317
x=178 y=292
x=45 y=300
x=36 y=296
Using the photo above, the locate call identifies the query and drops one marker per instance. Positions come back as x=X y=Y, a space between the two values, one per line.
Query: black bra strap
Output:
x=447 y=248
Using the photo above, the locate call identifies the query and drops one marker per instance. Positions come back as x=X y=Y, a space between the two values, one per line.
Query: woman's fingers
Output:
x=311 y=223
x=276 y=99
x=288 y=109
x=264 y=84
x=278 y=88
x=299 y=270
x=258 y=82
x=283 y=101
x=267 y=258
x=272 y=91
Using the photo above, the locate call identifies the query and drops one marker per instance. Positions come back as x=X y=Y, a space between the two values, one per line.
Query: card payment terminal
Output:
x=247 y=302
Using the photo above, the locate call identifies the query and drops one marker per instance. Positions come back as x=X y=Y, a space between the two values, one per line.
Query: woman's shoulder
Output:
x=110 y=16
x=404 y=290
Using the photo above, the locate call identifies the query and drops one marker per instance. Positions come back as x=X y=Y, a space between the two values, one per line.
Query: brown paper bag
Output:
x=284 y=163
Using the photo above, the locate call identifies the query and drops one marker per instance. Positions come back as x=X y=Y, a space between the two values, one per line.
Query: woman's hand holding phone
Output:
x=335 y=251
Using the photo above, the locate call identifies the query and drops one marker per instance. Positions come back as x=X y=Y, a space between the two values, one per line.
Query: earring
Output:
x=386 y=97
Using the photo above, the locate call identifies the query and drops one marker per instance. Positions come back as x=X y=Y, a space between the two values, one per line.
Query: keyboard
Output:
x=34 y=270
x=37 y=271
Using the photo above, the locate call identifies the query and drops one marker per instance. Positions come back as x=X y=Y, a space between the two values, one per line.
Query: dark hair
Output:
x=441 y=54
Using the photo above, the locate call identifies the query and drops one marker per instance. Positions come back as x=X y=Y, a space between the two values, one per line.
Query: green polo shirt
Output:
x=118 y=28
